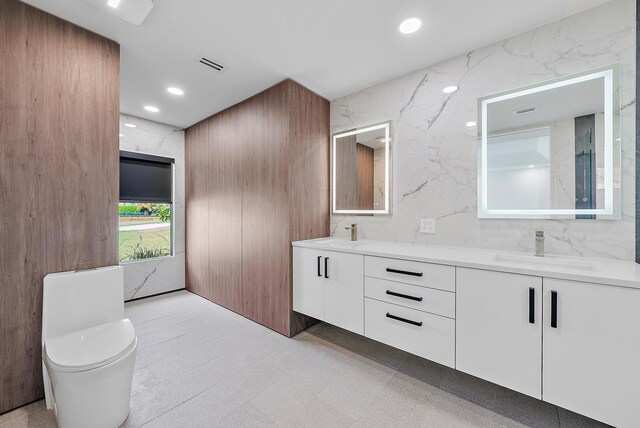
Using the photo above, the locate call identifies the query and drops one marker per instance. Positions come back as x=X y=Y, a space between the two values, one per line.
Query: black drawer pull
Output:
x=554 y=309
x=404 y=272
x=532 y=305
x=393 y=317
x=326 y=268
x=404 y=296
x=319 y=258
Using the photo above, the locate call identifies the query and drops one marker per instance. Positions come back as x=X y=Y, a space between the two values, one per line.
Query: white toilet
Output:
x=88 y=349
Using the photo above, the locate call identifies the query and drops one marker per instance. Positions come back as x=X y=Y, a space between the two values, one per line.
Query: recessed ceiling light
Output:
x=122 y=135
x=175 y=91
x=410 y=25
x=152 y=109
x=531 y=166
x=113 y=3
x=129 y=125
x=450 y=89
x=471 y=124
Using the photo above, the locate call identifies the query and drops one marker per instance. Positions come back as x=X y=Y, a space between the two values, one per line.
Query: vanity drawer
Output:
x=423 y=274
x=424 y=299
x=426 y=335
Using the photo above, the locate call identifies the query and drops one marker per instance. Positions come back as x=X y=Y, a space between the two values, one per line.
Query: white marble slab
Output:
x=594 y=270
x=434 y=153
x=154 y=276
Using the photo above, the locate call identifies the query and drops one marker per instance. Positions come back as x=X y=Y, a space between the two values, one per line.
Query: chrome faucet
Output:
x=354 y=231
x=539 y=243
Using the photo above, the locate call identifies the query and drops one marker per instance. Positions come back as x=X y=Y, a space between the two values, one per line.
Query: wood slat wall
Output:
x=266 y=184
x=59 y=106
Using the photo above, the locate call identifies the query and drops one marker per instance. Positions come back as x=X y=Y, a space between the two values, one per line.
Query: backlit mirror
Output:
x=551 y=150
x=360 y=171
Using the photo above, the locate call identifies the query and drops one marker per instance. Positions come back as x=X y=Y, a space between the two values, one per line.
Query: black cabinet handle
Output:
x=404 y=296
x=554 y=309
x=404 y=272
x=418 y=323
x=532 y=305
x=326 y=269
x=319 y=258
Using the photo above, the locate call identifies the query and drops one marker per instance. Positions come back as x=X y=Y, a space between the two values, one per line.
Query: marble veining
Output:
x=148 y=277
x=434 y=153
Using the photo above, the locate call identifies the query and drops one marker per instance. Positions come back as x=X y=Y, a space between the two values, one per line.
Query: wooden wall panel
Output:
x=266 y=179
x=265 y=217
x=347 y=173
x=365 y=177
x=197 y=209
x=59 y=95
x=224 y=163
x=308 y=159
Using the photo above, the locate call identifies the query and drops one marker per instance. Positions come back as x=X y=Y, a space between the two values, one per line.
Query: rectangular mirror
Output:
x=360 y=171
x=552 y=150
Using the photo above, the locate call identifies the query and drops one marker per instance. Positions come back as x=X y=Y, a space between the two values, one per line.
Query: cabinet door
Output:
x=499 y=328
x=308 y=282
x=344 y=290
x=592 y=355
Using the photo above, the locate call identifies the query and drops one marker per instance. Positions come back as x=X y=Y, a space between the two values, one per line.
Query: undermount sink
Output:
x=546 y=262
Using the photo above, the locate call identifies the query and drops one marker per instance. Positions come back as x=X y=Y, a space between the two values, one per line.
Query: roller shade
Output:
x=145 y=178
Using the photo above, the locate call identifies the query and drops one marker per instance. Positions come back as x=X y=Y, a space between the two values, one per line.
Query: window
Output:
x=146 y=206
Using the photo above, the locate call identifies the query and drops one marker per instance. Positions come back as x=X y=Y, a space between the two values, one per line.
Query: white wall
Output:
x=434 y=154
x=144 y=278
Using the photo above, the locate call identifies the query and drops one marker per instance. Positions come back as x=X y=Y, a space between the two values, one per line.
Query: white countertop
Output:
x=601 y=271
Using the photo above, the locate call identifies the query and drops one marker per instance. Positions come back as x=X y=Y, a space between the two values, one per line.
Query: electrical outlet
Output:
x=427 y=225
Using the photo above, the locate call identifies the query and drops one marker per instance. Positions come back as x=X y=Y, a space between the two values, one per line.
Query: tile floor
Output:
x=200 y=365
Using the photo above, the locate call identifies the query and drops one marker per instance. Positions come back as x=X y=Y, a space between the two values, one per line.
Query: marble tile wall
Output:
x=434 y=153
x=145 y=278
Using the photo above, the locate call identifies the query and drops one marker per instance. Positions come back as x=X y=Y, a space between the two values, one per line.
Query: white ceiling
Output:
x=333 y=47
x=570 y=101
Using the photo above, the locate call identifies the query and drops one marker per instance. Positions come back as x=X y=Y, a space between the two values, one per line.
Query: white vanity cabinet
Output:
x=411 y=306
x=591 y=350
x=573 y=344
x=499 y=328
x=560 y=329
x=308 y=282
x=329 y=286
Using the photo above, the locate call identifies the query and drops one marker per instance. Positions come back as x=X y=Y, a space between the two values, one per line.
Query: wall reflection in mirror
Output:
x=552 y=150
x=360 y=171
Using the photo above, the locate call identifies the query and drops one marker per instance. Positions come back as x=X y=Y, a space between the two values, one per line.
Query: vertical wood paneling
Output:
x=365 y=177
x=347 y=173
x=265 y=217
x=224 y=163
x=197 y=209
x=59 y=89
x=264 y=176
x=308 y=160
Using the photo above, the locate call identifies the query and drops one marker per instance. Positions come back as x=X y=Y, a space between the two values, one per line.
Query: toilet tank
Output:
x=80 y=299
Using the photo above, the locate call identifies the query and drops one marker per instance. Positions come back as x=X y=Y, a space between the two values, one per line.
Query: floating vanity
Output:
x=561 y=329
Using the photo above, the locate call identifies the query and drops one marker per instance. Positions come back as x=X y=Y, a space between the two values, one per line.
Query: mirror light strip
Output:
x=387 y=151
x=485 y=212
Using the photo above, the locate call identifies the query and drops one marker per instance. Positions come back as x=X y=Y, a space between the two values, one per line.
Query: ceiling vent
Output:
x=209 y=63
x=524 y=110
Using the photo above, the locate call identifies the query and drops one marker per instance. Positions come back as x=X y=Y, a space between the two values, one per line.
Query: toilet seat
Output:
x=90 y=348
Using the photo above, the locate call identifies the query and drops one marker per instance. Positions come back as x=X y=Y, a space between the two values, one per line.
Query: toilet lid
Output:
x=91 y=347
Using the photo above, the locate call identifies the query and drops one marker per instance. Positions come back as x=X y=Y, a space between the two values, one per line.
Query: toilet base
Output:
x=96 y=398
